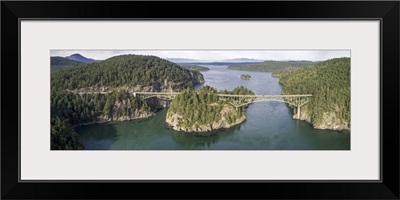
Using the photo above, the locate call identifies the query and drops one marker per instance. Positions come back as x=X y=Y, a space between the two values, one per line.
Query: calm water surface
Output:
x=269 y=125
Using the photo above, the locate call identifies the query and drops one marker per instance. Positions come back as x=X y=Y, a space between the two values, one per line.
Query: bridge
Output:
x=240 y=100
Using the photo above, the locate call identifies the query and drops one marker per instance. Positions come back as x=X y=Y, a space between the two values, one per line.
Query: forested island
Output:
x=195 y=67
x=329 y=83
x=245 y=76
x=102 y=92
x=270 y=66
x=204 y=111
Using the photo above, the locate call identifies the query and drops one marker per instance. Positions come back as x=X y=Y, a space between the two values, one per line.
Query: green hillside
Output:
x=329 y=82
x=57 y=62
x=125 y=70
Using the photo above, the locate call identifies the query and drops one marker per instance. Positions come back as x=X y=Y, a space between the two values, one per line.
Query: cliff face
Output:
x=329 y=120
x=197 y=77
x=136 y=114
x=174 y=120
x=122 y=110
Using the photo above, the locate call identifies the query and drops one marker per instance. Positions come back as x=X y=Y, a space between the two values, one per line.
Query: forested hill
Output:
x=57 y=62
x=271 y=66
x=126 y=70
x=329 y=82
x=75 y=97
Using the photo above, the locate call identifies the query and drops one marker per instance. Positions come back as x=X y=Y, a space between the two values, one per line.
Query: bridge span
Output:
x=297 y=100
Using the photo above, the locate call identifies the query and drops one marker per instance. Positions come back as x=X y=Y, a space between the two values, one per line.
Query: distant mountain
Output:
x=241 y=60
x=226 y=61
x=78 y=57
x=57 y=62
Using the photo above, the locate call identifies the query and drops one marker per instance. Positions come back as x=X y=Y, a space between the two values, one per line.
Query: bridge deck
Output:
x=229 y=95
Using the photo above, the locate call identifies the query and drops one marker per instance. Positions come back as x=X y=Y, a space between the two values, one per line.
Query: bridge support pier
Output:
x=298 y=112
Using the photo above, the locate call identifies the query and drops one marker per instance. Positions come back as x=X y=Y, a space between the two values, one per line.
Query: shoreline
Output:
x=109 y=121
x=206 y=133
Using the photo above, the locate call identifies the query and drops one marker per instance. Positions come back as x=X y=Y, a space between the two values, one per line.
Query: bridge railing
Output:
x=241 y=100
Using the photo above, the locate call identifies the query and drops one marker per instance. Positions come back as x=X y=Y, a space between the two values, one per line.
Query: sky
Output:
x=214 y=55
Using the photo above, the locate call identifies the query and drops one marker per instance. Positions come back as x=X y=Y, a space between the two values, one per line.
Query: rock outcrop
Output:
x=174 y=120
x=197 y=77
x=329 y=120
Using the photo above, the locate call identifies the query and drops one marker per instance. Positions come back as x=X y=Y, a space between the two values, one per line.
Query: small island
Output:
x=245 y=76
x=204 y=111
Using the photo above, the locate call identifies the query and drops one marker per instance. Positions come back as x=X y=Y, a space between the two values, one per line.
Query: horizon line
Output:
x=199 y=60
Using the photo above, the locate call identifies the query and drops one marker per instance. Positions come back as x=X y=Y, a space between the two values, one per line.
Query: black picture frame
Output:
x=386 y=11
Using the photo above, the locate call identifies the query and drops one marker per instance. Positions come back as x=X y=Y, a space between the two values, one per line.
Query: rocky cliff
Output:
x=175 y=121
x=197 y=77
x=328 y=120
x=123 y=110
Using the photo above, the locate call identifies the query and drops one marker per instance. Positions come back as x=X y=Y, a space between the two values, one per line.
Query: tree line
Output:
x=271 y=66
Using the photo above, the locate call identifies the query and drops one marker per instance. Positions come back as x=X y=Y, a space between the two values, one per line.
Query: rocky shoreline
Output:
x=174 y=120
x=104 y=119
x=221 y=124
x=329 y=121
x=136 y=114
